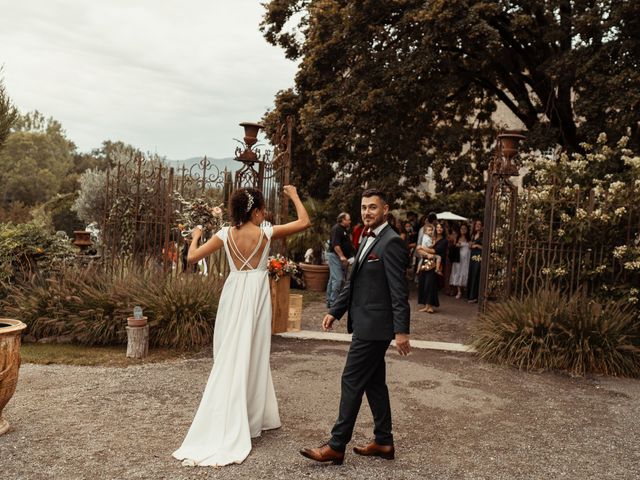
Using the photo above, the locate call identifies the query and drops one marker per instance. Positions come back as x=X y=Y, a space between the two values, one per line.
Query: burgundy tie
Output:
x=369 y=233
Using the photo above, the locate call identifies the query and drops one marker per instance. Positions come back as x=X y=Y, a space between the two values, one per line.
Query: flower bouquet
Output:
x=280 y=266
x=198 y=212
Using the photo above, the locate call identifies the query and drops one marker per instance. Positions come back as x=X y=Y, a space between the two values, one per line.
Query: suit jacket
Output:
x=376 y=296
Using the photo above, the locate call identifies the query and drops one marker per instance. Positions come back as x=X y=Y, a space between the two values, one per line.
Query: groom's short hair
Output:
x=374 y=192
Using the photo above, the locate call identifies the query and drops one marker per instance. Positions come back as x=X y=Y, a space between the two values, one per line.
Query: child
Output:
x=427 y=242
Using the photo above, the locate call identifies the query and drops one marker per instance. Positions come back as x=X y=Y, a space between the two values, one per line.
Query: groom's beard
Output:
x=376 y=222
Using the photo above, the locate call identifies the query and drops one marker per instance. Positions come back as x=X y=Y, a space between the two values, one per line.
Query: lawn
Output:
x=91 y=356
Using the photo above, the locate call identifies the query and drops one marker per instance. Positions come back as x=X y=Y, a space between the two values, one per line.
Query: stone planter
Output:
x=280 y=303
x=136 y=322
x=10 y=331
x=315 y=276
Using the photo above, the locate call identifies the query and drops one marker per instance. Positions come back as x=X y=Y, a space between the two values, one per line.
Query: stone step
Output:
x=345 y=337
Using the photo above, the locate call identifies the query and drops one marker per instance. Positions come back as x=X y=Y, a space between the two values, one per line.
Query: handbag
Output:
x=428 y=264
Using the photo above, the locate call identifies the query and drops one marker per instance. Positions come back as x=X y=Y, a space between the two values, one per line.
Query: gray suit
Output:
x=376 y=298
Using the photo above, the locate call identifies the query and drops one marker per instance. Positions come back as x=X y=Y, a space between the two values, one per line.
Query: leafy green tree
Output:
x=8 y=115
x=387 y=89
x=311 y=177
x=35 y=159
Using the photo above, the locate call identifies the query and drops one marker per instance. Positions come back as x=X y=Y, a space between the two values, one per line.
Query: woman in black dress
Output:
x=428 y=280
x=473 y=283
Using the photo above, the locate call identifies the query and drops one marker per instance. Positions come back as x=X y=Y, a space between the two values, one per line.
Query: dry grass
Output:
x=97 y=356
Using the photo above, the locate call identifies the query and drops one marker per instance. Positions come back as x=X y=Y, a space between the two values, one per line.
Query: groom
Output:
x=376 y=299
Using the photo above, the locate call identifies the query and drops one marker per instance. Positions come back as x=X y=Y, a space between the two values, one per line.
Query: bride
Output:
x=239 y=400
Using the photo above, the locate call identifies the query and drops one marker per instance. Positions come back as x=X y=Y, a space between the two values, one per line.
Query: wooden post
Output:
x=138 y=341
x=279 y=304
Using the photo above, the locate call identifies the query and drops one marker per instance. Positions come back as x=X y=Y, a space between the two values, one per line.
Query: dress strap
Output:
x=234 y=250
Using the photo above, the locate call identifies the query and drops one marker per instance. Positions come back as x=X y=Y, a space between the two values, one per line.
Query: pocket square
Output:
x=373 y=258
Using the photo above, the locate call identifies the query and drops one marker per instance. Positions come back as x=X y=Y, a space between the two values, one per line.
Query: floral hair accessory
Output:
x=249 y=202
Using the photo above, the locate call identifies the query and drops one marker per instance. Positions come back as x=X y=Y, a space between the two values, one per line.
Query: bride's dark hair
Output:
x=242 y=204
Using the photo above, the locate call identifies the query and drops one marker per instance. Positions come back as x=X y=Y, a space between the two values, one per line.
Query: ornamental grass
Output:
x=89 y=307
x=547 y=331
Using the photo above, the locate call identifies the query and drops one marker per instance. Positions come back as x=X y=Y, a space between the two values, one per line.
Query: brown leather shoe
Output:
x=374 y=450
x=323 y=454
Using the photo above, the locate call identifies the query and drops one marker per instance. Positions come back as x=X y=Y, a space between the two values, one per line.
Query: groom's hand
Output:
x=327 y=322
x=402 y=343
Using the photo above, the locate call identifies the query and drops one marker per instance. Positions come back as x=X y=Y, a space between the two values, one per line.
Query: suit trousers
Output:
x=364 y=372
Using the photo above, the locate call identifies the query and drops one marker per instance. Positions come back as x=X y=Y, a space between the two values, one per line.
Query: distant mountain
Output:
x=220 y=163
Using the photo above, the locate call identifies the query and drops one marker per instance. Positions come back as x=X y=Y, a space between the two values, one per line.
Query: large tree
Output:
x=387 y=89
x=8 y=115
x=35 y=159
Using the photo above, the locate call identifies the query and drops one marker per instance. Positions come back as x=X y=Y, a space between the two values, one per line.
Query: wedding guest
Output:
x=460 y=269
x=356 y=235
x=428 y=278
x=452 y=256
x=340 y=251
x=473 y=281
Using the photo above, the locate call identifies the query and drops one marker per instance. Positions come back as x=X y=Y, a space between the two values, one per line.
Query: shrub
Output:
x=181 y=310
x=548 y=332
x=29 y=248
x=93 y=307
x=78 y=302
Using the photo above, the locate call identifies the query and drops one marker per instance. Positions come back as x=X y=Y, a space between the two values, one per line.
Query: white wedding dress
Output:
x=239 y=400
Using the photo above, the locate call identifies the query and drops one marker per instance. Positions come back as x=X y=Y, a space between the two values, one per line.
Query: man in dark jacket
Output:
x=376 y=299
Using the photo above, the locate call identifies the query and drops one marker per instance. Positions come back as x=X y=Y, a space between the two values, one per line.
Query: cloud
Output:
x=171 y=77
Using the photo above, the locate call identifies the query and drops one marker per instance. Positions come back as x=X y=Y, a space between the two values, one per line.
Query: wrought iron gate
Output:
x=138 y=228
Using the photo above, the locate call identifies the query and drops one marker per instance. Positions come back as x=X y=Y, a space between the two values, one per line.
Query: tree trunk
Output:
x=138 y=341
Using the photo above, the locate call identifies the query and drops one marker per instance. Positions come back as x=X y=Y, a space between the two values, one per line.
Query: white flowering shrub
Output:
x=584 y=209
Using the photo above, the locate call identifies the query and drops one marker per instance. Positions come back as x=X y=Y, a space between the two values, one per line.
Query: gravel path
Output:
x=452 y=322
x=454 y=418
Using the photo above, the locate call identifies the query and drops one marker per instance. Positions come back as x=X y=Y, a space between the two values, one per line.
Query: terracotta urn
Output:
x=315 y=276
x=82 y=239
x=10 y=331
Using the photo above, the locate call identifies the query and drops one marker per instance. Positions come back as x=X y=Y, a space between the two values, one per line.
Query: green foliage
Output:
x=30 y=249
x=89 y=205
x=546 y=331
x=468 y=204
x=181 y=311
x=16 y=212
x=311 y=175
x=92 y=308
x=385 y=90
x=8 y=115
x=575 y=203
x=34 y=161
x=315 y=236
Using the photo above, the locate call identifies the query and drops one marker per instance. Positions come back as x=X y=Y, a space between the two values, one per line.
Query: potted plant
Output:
x=10 y=331
x=310 y=246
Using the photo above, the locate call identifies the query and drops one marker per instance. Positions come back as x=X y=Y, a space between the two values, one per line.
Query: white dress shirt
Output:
x=370 y=240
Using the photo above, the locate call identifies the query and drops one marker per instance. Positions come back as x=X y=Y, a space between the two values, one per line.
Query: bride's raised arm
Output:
x=302 y=223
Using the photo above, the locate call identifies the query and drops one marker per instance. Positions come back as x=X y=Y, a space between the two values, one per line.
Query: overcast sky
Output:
x=167 y=76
